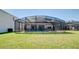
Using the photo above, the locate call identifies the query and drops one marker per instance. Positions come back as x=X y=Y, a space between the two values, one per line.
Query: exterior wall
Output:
x=6 y=21
x=28 y=26
x=73 y=26
x=37 y=24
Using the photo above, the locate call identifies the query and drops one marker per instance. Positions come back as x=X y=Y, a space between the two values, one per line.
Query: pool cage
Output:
x=25 y=25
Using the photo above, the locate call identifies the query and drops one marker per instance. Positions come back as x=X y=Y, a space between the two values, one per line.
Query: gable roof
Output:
x=7 y=13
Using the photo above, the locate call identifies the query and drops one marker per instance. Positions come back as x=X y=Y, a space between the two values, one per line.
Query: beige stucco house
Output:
x=39 y=23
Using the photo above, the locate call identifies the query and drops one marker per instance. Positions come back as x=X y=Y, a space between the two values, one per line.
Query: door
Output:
x=41 y=28
x=33 y=28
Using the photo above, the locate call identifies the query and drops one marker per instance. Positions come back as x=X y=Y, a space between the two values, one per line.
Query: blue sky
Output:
x=65 y=14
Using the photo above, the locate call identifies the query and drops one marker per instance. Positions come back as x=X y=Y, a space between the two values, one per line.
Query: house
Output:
x=6 y=21
x=39 y=23
x=73 y=25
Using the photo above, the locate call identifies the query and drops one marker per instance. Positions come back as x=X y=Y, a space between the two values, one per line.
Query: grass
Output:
x=35 y=40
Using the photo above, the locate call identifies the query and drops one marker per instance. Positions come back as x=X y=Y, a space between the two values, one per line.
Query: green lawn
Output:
x=69 y=39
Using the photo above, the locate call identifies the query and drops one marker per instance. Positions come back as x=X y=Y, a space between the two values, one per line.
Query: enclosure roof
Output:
x=41 y=18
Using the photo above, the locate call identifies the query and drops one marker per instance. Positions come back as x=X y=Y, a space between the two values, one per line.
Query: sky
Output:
x=64 y=14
